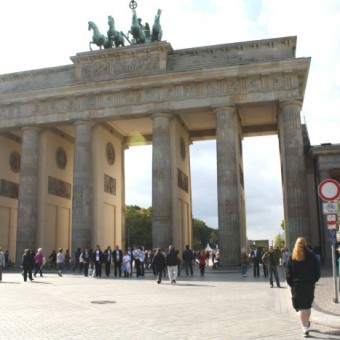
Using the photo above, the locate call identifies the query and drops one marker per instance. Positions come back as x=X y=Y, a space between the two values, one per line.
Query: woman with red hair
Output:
x=303 y=272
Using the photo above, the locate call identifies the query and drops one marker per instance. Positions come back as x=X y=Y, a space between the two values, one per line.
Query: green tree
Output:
x=278 y=241
x=282 y=225
x=138 y=229
x=138 y=226
x=202 y=234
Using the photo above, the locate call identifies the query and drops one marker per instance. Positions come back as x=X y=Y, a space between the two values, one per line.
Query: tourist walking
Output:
x=60 y=261
x=84 y=260
x=136 y=258
x=67 y=259
x=244 y=262
x=303 y=272
x=107 y=259
x=76 y=259
x=171 y=261
x=53 y=259
x=27 y=263
x=117 y=261
x=39 y=259
x=126 y=264
x=271 y=259
x=159 y=263
x=98 y=260
x=255 y=256
x=2 y=263
x=202 y=262
x=188 y=257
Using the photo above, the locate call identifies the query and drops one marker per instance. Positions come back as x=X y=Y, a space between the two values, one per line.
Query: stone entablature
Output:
x=130 y=79
x=327 y=157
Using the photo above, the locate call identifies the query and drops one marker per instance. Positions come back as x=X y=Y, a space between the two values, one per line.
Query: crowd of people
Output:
x=127 y=263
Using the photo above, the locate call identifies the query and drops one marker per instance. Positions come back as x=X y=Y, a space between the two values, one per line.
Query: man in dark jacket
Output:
x=188 y=257
x=271 y=258
x=28 y=264
x=98 y=260
x=255 y=256
x=171 y=261
x=158 y=263
x=117 y=256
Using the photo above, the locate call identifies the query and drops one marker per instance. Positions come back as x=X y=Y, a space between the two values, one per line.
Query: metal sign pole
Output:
x=336 y=299
x=339 y=268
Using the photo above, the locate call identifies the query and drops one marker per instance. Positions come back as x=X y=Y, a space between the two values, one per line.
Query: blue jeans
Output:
x=244 y=268
x=273 y=270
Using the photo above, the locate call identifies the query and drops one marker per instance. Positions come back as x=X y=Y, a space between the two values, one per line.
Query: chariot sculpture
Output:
x=140 y=33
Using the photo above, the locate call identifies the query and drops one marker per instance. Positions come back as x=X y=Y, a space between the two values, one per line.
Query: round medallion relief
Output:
x=182 y=148
x=61 y=158
x=110 y=153
x=14 y=161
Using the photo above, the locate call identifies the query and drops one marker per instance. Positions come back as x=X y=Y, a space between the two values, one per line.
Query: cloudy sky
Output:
x=38 y=33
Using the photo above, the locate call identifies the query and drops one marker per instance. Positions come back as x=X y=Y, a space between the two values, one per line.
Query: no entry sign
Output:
x=329 y=190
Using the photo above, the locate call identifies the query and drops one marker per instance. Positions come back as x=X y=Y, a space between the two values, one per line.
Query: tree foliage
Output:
x=202 y=235
x=278 y=241
x=282 y=225
x=138 y=226
x=138 y=229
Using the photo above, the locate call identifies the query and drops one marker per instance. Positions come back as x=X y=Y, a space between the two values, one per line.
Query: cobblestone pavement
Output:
x=221 y=305
x=326 y=311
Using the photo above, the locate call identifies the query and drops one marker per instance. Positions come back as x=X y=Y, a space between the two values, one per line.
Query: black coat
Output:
x=158 y=262
x=28 y=261
x=303 y=271
x=171 y=258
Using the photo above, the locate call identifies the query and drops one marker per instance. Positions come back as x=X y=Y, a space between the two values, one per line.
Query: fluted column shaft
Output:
x=82 y=210
x=28 y=191
x=227 y=186
x=294 y=173
x=161 y=181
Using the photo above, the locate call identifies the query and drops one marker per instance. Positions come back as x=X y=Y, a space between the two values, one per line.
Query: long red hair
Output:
x=299 y=249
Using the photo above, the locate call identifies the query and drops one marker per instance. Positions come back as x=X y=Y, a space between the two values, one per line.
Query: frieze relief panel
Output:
x=9 y=189
x=157 y=94
x=109 y=185
x=59 y=188
x=109 y=69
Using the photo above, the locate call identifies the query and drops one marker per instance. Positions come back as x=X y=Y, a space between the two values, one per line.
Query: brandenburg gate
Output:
x=64 y=131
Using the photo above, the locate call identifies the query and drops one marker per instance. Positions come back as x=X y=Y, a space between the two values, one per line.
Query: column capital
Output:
x=295 y=102
x=223 y=109
x=162 y=114
x=84 y=122
x=32 y=128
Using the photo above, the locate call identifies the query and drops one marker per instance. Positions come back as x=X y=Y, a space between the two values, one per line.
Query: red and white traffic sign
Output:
x=329 y=190
x=332 y=221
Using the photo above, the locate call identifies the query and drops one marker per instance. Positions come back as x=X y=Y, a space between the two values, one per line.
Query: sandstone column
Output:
x=227 y=186
x=28 y=191
x=82 y=220
x=293 y=172
x=161 y=181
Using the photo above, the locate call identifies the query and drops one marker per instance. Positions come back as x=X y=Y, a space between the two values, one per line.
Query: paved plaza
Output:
x=221 y=305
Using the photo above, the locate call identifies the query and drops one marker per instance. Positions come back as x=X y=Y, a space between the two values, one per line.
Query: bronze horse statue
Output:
x=140 y=33
x=113 y=35
x=157 y=28
x=98 y=39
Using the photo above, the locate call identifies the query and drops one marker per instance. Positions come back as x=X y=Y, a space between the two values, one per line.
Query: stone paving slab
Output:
x=218 y=306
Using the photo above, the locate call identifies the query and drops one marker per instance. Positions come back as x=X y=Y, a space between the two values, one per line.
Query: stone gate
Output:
x=64 y=131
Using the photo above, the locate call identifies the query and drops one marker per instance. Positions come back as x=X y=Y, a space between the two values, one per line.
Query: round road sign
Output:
x=329 y=190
